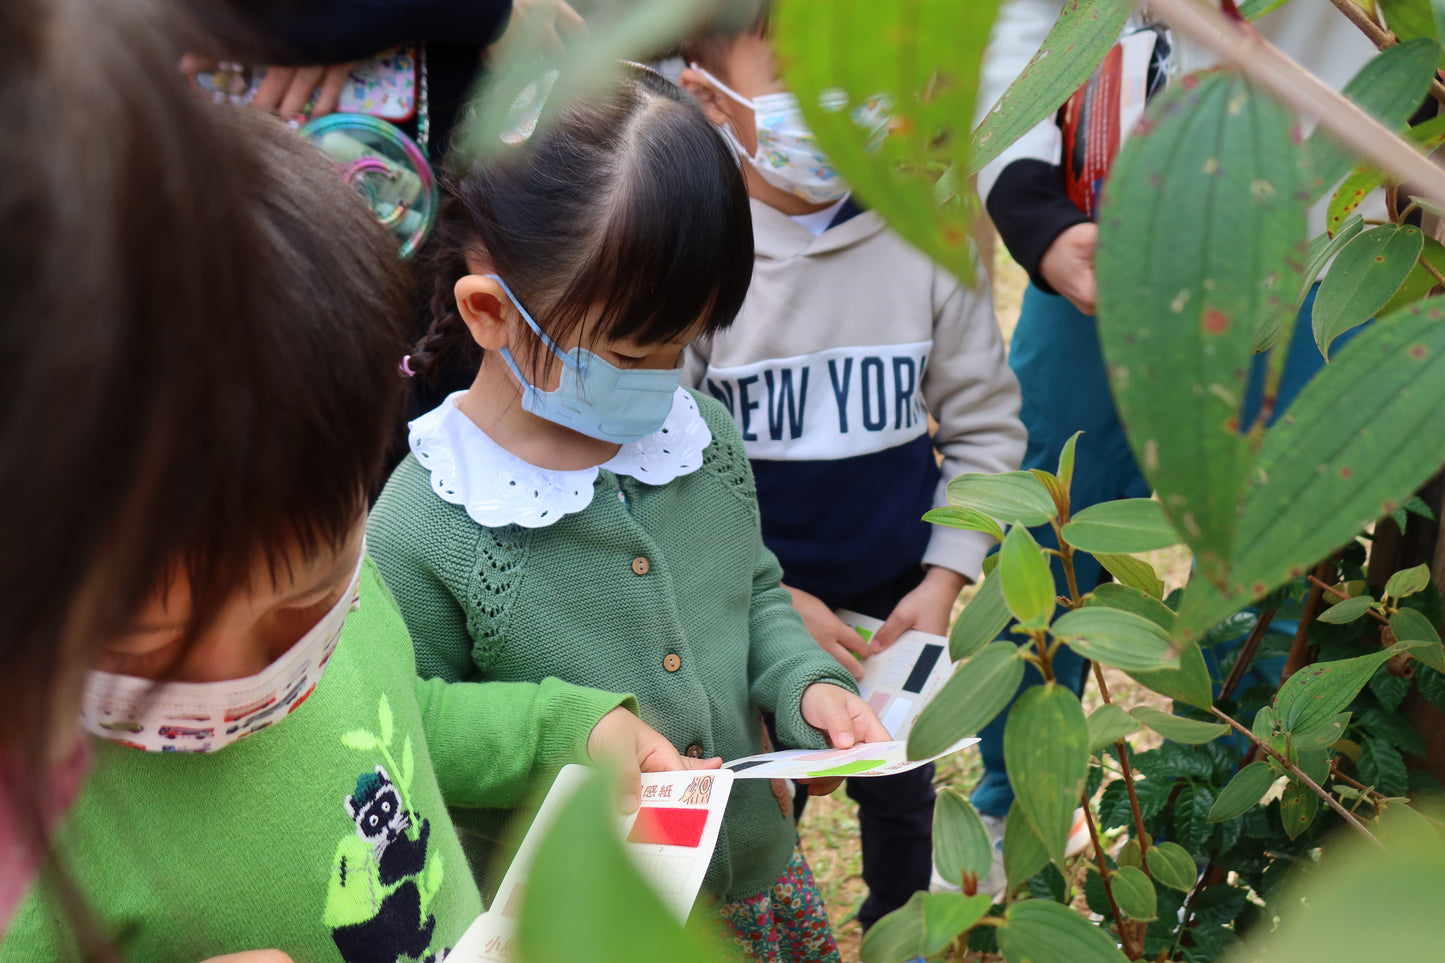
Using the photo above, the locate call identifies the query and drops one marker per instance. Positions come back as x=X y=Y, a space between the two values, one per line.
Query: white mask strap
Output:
x=723 y=87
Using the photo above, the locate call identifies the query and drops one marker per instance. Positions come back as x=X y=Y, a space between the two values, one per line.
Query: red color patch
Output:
x=1215 y=321
x=1417 y=351
x=668 y=827
x=1345 y=472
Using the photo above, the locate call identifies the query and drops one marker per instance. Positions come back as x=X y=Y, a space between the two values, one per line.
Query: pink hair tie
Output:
x=405 y=366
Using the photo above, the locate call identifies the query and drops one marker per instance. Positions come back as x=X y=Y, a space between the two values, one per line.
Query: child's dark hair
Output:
x=629 y=200
x=708 y=47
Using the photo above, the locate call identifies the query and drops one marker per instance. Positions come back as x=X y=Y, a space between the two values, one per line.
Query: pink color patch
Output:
x=878 y=700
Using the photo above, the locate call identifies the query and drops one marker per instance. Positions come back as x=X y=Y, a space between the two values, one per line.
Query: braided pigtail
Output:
x=447 y=344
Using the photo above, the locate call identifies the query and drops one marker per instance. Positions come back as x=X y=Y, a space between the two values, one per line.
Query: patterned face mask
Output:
x=208 y=716
x=788 y=155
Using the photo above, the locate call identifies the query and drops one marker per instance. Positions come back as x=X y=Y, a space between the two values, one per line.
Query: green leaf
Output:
x=1014 y=497
x=1176 y=319
x=894 y=50
x=1420 y=282
x=1171 y=865
x=1042 y=931
x=1116 y=595
x=961 y=843
x=383 y=716
x=923 y=926
x=982 y=619
x=1389 y=86
x=1365 y=275
x=1189 y=683
x=1432 y=685
x=1133 y=572
x=1327 y=469
x=621 y=921
x=1065 y=474
x=1297 y=809
x=1366 y=178
x=1314 y=694
x=1409 y=625
x=1130 y=854
x=1347 y=610
x=1046 y=750
x=1190 y=732
x=359 y=739
x=1389 y=689
x=1322 y=736
x=1118 y=638
x=1408 y=582
x=1068 y=57
x=1121 y=527
x=1382 y=766
x=977 y=691
x=968 y=519
x=1023 y=852
x=1263 y=723
x=1028 y=585
x=1242 y=792
x=1135 y=894
x=1108 y=724
x=1254 y=9
x=1191 y=816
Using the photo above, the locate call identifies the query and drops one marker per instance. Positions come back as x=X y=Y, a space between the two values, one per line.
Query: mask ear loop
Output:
x=563 y=356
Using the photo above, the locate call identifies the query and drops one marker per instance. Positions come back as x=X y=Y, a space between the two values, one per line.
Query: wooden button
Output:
x=671 y=662
x=695 y=751
x=641 y=565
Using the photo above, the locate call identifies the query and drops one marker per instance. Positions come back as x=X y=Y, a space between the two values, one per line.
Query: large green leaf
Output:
x=961 y=843
x=923 y=56
x=1085 y=31
x=1391 y=86
x=1176 y=307
x=620 y=922
x=1314 y=694
x=982 y=619
x=923 y=926
x=1023 y=852
x=1365 y=275
x=1042 y=931
x=1360 y=437
x=1014 y=497
x=1108 y=724
x=1191 y=732
x=1028 y=585
x=1121 y=527
x=1118 y=638
x=1172 y=865
x=1134 y=572
x=1046 y=749
x=1410 y=625
x=975 y=693
x=1245 y=790
x=1189 y=683
x=1117 y=595
x=1135 y=894
x=968 y=519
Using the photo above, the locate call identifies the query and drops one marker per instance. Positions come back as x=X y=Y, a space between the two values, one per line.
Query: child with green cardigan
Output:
x=577 y=514
x=270 y=772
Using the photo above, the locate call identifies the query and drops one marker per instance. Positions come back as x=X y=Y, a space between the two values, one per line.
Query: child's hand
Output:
x=846 y=719
x=832 y=634
x=926 y=608
x=632 y=747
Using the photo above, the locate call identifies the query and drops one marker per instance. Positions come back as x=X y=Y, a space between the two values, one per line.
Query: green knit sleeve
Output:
x=783 y=659
x=420 y=549
x=494 y=743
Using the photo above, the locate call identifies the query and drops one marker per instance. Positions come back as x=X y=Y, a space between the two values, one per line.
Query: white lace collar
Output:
x=498 y=488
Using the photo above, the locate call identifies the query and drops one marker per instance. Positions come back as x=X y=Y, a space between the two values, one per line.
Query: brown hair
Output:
x=629 y=200
x=708 y=47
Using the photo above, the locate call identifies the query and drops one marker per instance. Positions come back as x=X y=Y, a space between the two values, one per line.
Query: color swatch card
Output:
x=670 y=838
x=899 y=681
x=867 y=759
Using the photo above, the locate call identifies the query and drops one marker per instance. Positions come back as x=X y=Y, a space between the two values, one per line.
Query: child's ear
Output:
x=706 y=94
x=482 y=303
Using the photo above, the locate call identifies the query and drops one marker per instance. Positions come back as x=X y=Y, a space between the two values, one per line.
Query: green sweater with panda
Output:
x=662 y=589
x=326 y=835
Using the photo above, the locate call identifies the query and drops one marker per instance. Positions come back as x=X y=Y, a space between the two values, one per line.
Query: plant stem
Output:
x=1430 y=269
x=1379 y=36
x=1299 y=649
x=1128 y=773
x=1295 y=771
x=1129 y=949
x=1341 y=595
x=1246 y=654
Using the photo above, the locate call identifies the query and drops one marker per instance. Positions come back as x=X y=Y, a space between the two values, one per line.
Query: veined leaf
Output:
x=1065 y=474
x=1366 y=178
x=961 y=843
x=1407 y=582
x=1420 y=282
x=1135 y=894
x=982 y=619
x=1365 y=275
x=1410 y=625
x=1116 y=595
x=1172 y=865
x=1068 y=57
x=1023 y=852
x=1177 y=728
x=1121 y=527
x=1315 y=693
x=1118 y=638
x=1176 y=317
x=1189 y=683
x=1042 y=931
x=1134 y=572
x=922 y=60
x=1028 y=584
x=975 y=693
x=1297 y=809
x=1108 y=724
x=923 y=926
x=1347 y=610
x=968 y=519
x=1322 y=736
x=1046 y=749
x=1242 y=793
x=1014 y=497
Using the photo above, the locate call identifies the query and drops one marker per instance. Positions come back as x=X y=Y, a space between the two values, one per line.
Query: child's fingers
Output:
x=332 y=84
x=273 y=88
x=844 y=657
x=300 y=91
x=689 y=763
x=866 y=724
x=849 y=638
x=821 y=787
x=900 y=620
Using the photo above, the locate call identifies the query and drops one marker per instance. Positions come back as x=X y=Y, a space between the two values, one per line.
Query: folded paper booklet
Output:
x=670 y=838
x=899 y=681
x=868 y=759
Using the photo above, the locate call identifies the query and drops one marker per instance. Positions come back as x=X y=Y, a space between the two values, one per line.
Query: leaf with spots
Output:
x=1314 y=694
x=1366 y=178
x=1176 y=308
x=846 y=59
x=1364 y=277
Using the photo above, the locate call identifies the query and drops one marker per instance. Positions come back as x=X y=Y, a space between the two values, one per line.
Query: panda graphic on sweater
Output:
x=382 y=880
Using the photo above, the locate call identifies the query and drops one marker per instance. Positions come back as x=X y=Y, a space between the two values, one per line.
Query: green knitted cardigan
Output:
x=269 y=842
x=572 y=601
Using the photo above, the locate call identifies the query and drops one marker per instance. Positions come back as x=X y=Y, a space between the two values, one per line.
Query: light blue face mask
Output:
x=595 y=398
